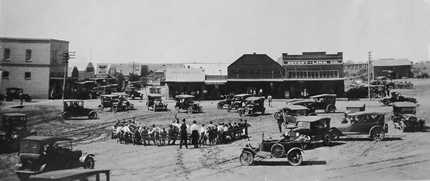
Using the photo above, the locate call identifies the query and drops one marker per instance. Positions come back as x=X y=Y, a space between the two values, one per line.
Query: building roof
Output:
x=392 y=62
x=254 y=59
x=29 y=40
x=210 y=68
x=184 y=74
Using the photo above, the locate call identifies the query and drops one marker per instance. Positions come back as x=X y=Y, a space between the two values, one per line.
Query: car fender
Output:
x=294 y=148
x=249 y=149
x=84 y=157
x=373 y=127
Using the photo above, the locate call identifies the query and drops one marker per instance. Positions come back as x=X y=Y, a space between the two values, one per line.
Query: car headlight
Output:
x=18 y=165
x=14 y=136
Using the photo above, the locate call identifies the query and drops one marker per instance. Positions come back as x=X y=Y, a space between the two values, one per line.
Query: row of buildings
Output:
x=38 y=67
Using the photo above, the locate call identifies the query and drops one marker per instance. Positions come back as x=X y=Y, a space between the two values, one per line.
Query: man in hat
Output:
x=183 y=134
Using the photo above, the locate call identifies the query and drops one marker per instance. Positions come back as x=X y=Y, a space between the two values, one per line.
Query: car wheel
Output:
x=246 y=158
x=92 y=115
x=277 y=150
x=295 y=156
x=89 y=163
x=377 y=134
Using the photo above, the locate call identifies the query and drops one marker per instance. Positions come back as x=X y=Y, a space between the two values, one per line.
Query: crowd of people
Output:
x=128 y=131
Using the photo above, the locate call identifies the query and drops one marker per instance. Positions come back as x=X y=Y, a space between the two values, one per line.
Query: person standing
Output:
x=269 y=99
x=21 y=97
x=184 y=135
x=195 y=134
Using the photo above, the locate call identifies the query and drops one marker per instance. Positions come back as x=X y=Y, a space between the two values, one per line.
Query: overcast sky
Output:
x=152 y=31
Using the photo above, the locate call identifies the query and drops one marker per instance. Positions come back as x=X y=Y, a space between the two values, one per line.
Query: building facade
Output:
x=312 y=73
x=354 y=69
x=35 y=65
x=393 y=68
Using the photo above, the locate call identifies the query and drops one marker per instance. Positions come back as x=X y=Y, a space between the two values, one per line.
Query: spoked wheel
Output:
x=277 y=150
x=246 y=158
x=295 y=157
x=92 y=115
x=89 y=163
x=377 y=134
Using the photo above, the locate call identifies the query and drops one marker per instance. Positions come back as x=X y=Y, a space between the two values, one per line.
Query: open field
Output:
x=403 y=156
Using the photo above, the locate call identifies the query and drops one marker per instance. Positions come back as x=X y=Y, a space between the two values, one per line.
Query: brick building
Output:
x=393 y=68
x=313 y=73
x=35 y=65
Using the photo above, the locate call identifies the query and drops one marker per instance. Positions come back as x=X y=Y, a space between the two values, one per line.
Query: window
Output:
x=28 y=55
x=153 y=90
x=5 y=75
x=27 y=75
x=6 y=54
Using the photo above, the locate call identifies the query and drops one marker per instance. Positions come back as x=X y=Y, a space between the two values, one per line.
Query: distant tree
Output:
x=75 y=73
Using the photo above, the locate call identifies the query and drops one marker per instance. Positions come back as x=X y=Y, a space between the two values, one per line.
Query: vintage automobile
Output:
x=75 y=108
x=289 y=113
x=326 y=102
x=39 y=154
x=284 y=148
x=133 y=93
x=13 y=93
x=116 y=101
x=13 y=127
x=317 y=128
x=155 y=103
x=396 y=97
x=72 y=174
x=225 y=104
x=238 y=101
x=252 y=106
x=404 y=116
x=186 y=102
x=362 y=122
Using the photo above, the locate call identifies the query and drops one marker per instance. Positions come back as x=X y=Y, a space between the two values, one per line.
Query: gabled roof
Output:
x=255 y=59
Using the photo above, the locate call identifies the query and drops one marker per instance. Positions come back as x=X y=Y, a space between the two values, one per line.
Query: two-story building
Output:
x=313 y=73
x=35 y=65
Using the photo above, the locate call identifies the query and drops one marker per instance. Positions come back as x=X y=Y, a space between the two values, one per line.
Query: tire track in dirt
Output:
x=182 y=170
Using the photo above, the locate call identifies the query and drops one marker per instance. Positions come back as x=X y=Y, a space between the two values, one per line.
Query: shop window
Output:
x=6 y=54
x=5 y=75
x=28 y=55
x=27 y=75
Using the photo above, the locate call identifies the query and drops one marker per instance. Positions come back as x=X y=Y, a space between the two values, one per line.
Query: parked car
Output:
x=289 y=113
x=116 y=101
x=317 y=128
x=13 y=127
x=404 y=116
x=326 y=102
x=75 y=108
x=291 y=150
x=252 y=106
x=133 y=93
x=363 y=122
x=225 y=104
x=186 y=102
x=107 y=100
x=238 y=101
x=39 y=154
x=155 y=103
x=72 y=174
x=396 y=97
x=13 y=93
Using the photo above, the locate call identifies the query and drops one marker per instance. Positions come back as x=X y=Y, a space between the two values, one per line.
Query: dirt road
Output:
x=403 y=156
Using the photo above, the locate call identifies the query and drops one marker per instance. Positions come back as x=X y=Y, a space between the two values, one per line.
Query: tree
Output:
x=75 y=73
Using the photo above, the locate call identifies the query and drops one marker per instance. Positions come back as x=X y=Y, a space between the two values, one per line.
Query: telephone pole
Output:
x=66 y=57
x=369 y=64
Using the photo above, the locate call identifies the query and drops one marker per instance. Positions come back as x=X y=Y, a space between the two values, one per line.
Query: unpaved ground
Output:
x=402 y=156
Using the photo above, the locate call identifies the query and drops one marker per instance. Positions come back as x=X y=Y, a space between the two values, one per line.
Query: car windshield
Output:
x=29 y=147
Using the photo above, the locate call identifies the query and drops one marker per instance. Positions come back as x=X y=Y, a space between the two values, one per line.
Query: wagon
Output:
x=39 y=154
x=75 y=108
x=291 y=150
x=155 y=103
x=405 y=116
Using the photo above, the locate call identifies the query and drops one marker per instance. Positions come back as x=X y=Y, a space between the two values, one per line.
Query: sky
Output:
x=172 y=31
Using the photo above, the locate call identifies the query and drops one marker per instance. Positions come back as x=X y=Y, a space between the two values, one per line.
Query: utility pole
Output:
x=369 y=64
x=66 y=57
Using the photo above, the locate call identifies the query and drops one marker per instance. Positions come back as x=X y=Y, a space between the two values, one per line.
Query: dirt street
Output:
x=403 y=156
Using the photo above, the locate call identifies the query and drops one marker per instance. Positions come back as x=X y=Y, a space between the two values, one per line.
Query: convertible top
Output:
x=311 y=118
x=67 y=174
x=14 y=114
x=254 y=98
x=323 y=95
x=404 y=104
x=184 y=96
x=365 y=112
x=47 y=138
x=295 y=107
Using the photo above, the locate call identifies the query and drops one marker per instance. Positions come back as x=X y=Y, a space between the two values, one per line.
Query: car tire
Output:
x=295 y=157
x=89 y=163
x=377 y=133
x=277 y=150
x=246 y=158
x=92 y=115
